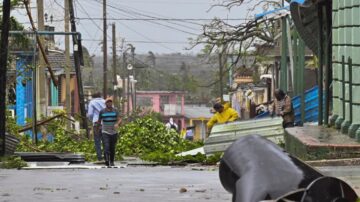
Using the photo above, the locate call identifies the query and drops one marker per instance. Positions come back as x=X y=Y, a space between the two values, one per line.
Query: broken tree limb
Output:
x=29 y=126
x=41 y=47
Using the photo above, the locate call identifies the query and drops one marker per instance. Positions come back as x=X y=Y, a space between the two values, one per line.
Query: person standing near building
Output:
x=190 y=133
x=282 y=106
x=171 y=124
x=94 y=108
x=110 y=121
x=224 y=113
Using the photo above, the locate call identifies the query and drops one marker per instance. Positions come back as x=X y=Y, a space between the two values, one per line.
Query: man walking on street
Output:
x=110 y=120
x=94 y=108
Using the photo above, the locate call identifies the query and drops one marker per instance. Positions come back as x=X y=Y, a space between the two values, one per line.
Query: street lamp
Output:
x=130 y=67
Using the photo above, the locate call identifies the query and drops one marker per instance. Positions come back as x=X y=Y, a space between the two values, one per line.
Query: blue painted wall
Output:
x=23 y=107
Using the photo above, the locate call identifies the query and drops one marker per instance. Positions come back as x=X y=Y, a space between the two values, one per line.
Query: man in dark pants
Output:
x=94 y=108
x=110 y=120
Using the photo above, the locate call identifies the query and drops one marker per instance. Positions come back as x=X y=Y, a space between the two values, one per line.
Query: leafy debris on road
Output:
x=150 y=140
x=12 y=162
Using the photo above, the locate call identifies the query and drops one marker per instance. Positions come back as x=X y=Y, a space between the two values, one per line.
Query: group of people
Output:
x=106 y=120
x=280 y=106
x=187 y=133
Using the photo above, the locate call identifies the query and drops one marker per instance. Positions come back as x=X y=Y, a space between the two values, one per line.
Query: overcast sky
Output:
x=158 y=36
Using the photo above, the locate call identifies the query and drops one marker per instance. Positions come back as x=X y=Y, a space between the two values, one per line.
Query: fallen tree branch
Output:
x=29 y=126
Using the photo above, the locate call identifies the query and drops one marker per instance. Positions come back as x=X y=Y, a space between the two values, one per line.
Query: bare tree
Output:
x=238 y=38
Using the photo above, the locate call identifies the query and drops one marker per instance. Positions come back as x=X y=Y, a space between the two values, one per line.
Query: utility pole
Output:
x=221 y=75
x=114 y=63
x=125 y=85
x=104 y=49
x=41 y=82
x=77 y=59
x=133 y=91
x=4 y=43
x=67 y=66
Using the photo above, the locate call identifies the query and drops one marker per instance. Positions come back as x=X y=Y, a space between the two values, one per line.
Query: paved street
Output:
x=129 y=184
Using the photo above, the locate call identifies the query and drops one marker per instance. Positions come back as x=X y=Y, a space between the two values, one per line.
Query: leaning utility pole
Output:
x=77 y=59
x=114 y=63
x=104 y=49
x=4 y=43
x=67 y=66
x=41 y=82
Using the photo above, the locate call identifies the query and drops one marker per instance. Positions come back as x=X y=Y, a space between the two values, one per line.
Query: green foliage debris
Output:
x=11 y=162
x=145 y=137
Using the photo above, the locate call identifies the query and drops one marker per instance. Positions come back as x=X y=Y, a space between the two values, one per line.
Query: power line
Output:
x=134 y=13
x=142 y=35
x=152 y=14
x=99 y=28
x=139 y=41
x=167 y=2
x=166 y=19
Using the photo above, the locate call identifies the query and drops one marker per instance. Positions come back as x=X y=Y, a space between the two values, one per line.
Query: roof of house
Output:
x=57 y=60
x=191 y=112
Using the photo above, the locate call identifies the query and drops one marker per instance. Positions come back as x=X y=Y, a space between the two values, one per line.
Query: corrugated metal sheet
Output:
x=11 y=143
x=223 y=135
x=311 y=107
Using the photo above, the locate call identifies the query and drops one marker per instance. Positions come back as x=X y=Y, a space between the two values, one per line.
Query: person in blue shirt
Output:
x=110 y=121
x=94 y=108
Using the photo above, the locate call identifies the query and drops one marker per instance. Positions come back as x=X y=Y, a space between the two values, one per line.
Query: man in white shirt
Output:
x=171 y=125
x=94 y=108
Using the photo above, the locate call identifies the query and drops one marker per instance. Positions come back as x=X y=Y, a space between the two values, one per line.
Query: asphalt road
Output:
x=129 y=184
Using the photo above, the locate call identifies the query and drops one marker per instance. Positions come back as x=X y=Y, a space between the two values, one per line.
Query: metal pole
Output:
x=127 y=91
x=221 y=75
x=77 y=60
x=41 y=85
x=4 y=43
x=34 y=129
x=67 y=67
x=114 y=63
x=302 y=77
x=320 y=65
x=123 y=81
x=350 y=90
x=291 y=56
x=284 y=58
x=327 y=62
x=104 y=50
x=133 y=91
x=343 y=88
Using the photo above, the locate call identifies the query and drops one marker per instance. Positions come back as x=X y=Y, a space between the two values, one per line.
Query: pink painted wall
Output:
x=172 y=100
